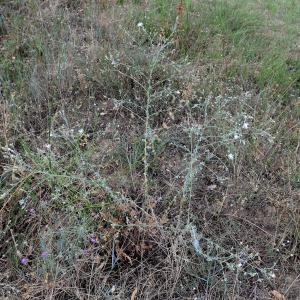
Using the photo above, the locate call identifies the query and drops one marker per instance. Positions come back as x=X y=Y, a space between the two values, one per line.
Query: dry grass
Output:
x=149 y=151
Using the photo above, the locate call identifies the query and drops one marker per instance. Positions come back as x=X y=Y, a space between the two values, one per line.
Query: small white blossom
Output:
x=246 y=125
x=195 y=240
x=3 y=196
x=113 y=62
x=248 y=95
x=48 y=146
x=22 y=203
x=230 y=156
x=140 y=24
x=272 y=275
x=80 y=131
x=236 y=136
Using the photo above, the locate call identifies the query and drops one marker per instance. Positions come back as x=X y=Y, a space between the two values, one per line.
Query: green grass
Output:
x=236 y=32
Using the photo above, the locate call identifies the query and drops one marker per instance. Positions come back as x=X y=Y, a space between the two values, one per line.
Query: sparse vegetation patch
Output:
x=149 y=149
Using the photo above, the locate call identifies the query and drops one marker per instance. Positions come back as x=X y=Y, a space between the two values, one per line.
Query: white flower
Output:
x=230 y=156
x=246 y=125
x=236 y=136
x=195 y=240
x=140 y=24
x=48 y=146
x=113 y=62
x=3 y=196
x=80 y=131
x=22 y=203
x=272 y=275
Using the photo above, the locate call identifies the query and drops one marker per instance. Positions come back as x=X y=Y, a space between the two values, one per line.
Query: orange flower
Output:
x=179 y=8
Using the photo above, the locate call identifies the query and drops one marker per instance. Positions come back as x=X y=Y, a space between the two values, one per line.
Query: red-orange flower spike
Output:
x=179 y=8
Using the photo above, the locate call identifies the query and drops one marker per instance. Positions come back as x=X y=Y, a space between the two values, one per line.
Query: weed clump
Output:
x=149 y=149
